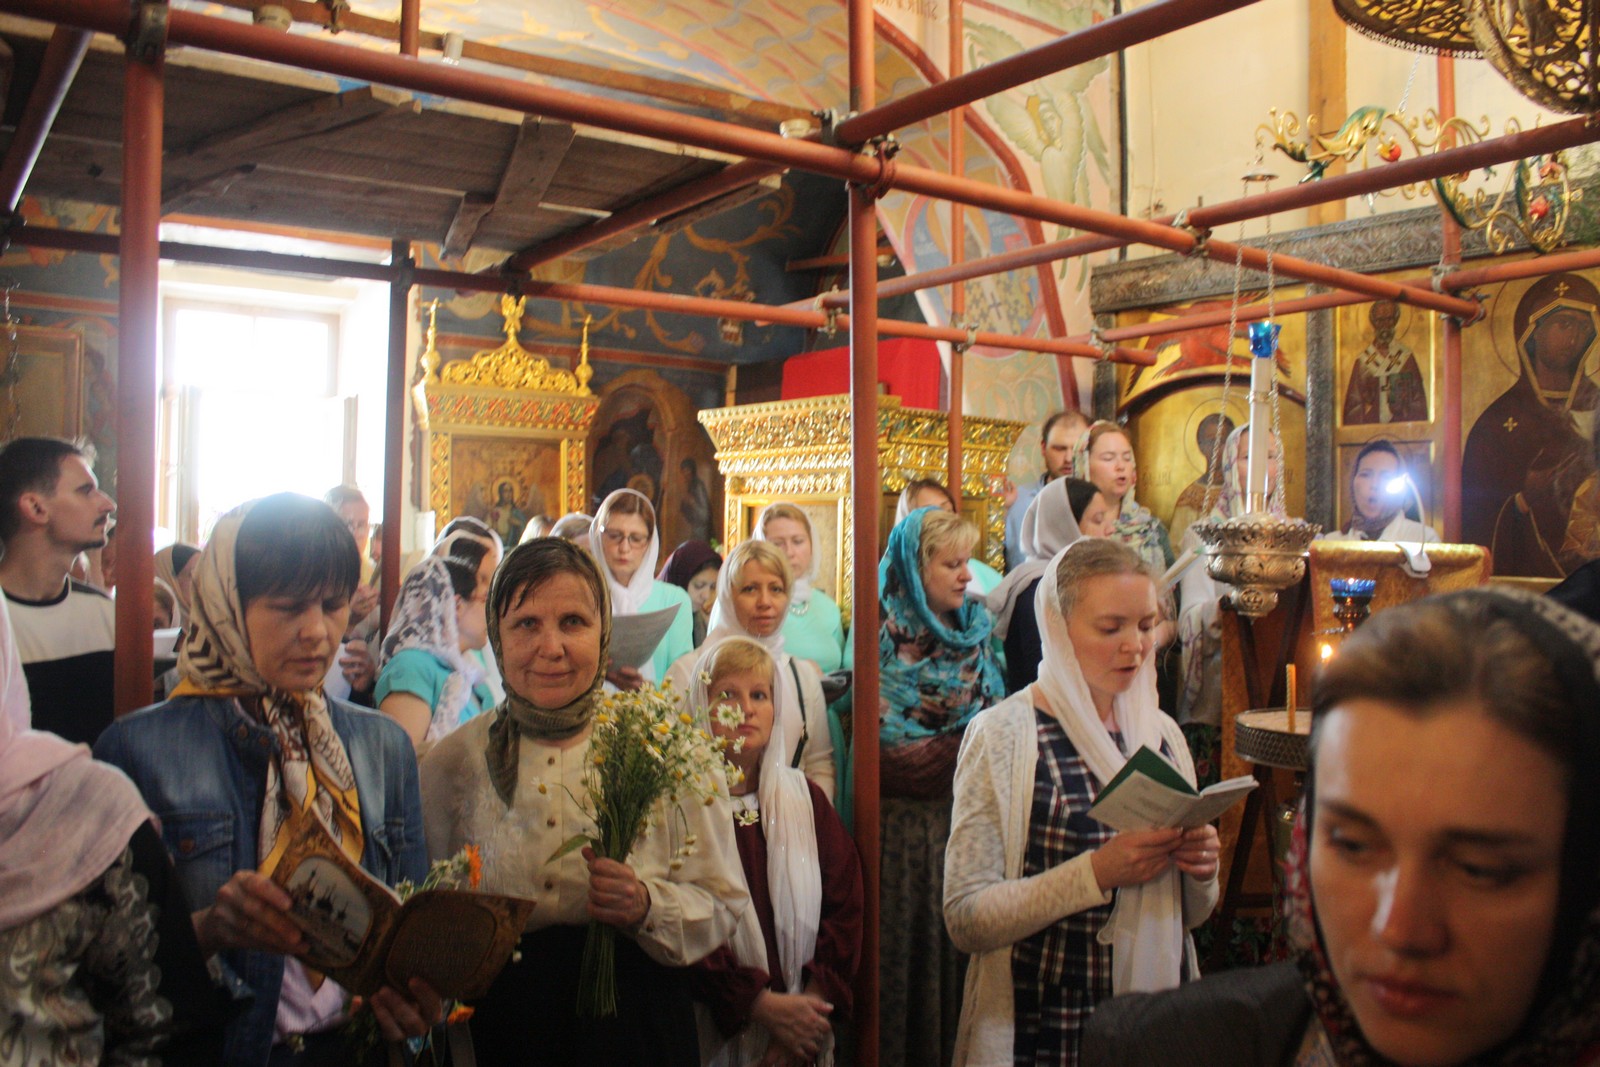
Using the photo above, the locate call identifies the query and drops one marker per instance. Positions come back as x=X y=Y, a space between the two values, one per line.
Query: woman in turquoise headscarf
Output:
x=1104 y=456
x=938 y=670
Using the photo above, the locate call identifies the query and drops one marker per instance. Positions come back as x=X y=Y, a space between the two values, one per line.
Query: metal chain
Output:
x=1406 y=95
x=1214 y=471
x=1277 y=419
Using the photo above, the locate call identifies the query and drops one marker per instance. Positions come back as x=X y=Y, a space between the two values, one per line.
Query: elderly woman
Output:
x=1376 y=514
x=813 y=629
x=101 y=960
x=938 y=671
x=625 y=543
x=247 y=740
x=1104 y=456
x=1445 y=905
x=777 y=990
x=508 y=782
x=752 y=602
x=428 y=680
x=1059 y=911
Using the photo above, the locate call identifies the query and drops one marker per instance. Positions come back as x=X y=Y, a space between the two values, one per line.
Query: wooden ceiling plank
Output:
x=295 y=124
x=540 y=147
x=177 y=194
x=464 y=227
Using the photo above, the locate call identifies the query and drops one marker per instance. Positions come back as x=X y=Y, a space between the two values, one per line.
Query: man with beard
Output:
x=1528 y=453
x=51 y=509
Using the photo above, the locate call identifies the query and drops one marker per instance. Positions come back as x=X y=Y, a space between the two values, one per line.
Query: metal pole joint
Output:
x=830 y=325
x=1201 y=235
x=883 y=149
x=147 y=36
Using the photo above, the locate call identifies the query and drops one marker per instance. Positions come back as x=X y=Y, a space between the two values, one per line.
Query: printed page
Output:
x=634 y=637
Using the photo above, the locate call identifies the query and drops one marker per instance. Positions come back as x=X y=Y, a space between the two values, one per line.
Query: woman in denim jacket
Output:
x=246 y=740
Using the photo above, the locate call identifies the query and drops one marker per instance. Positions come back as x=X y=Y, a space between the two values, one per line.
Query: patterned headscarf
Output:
x=935 y=677
x=309 y=770
x=425 y=619
x=64 y=818
x=539 y=560
x=1135 y=527
x=1563 y=1025
x=1232 y=497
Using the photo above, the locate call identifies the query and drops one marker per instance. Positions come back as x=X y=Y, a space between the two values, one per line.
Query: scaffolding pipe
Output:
x=143 y=107
x=1222 y=316
x=865 y=500
x=644 y=213
x=1473 y=277
x=1100 y=39
x=410 y=27
x=203 y=31
x=1450 y=338
x=394 y=427
x=62 y=58
x=1523 y=144
x=744 y=311
x=958 y=249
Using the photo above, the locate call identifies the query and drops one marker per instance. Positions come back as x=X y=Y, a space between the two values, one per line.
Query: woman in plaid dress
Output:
x=1059 y=911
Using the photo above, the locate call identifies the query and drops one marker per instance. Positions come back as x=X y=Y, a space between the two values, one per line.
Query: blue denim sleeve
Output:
x=413 y=850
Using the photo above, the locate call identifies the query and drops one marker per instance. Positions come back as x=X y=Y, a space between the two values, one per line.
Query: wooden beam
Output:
x=688 y=217
x=1329 y=105
x=732 y=107
x=298 y=124
x=540 y=147
x=175 y=194
x=464 y=227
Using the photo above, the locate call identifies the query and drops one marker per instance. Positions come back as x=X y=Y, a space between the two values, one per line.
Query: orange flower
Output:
x=474 y=868
x=459 y=1014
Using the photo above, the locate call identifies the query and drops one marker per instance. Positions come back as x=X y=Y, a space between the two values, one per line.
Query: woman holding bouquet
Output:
x=512 y=782
x=778 y=988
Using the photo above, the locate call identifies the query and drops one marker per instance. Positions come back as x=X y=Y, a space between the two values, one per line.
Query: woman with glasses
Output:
x=625 y=543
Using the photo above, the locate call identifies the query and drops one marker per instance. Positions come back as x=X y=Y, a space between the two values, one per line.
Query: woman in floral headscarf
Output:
x=260 y=745
x=101 y=959
x=1104 y=456
x=938 y=670
x=1445 y=904
x=508 y=782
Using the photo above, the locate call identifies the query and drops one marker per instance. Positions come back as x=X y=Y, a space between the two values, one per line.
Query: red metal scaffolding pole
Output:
x=1101 y=39
x=1521 y=145
x=1450 y=343
x=394 y=426
x=865 y=500
x=62 y=58
x=143 y=105
x=410 y=27
x=958 y=248
x=222 y=35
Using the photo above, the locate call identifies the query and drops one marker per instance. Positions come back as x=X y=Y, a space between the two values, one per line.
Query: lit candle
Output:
x=1288 y=700
x=1263 y=347
x=1325 y=653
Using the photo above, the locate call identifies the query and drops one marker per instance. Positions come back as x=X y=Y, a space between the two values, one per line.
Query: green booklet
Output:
x=1149 y=794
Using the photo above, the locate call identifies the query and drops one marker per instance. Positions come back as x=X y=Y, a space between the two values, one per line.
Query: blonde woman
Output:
x=813 y=629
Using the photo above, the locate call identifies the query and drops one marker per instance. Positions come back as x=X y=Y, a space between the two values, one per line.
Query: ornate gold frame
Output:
x=799 y=450
x=506 y=392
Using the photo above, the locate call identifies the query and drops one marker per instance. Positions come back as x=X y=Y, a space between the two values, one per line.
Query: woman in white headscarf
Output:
x=625 y=542
x=1059 y=911
x=814 y=629
x=101 y=959
x=785 y=978
x=753 y=592
x=1062 y=512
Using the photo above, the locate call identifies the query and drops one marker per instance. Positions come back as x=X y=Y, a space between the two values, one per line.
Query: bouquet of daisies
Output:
x=643 y=750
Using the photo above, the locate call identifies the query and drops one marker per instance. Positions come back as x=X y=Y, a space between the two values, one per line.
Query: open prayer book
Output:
x=364 y=937
x=1149 y=794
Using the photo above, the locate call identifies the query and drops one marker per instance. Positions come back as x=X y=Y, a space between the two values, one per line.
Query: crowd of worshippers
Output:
x=1441 y=895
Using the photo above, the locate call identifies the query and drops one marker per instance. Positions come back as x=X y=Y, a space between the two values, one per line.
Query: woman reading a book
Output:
x=1059 y=911
x=511 y=782
x=248 y=743
x=752 y=602
x=625 y=543
x=1444 y=898
x=777 y=989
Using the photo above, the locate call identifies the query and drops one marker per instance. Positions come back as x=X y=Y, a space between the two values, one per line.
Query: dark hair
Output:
x=32 y=465
x=1498 y=651
x=533 y=563
x=1079 y=493
x=466 y=555
x=181 y=555
x=467 y=524
x=1386 y=446
x=1070 y=415
x=291 y=545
